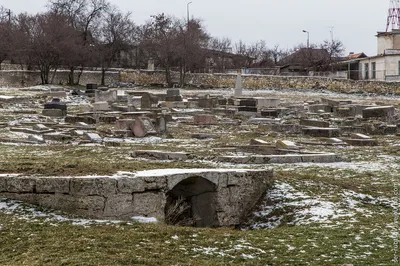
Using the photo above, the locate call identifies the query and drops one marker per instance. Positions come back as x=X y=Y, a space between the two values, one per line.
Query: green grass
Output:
x=76 y=160
x=43 y=243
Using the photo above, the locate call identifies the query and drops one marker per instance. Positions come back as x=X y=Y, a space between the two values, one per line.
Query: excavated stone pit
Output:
x=213 y=197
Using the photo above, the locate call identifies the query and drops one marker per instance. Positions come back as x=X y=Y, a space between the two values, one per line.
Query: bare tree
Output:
x=193 y=53
x=221 y=44
x=85 y=16
x=160 y=36
x=43 y=38
x=250 y=54
x=224 y=47
x=116 y=35
x=5 y=34
x=335 y=49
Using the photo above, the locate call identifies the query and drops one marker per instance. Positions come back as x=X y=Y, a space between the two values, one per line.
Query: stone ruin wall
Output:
x=148 y=78
x=263 y=81
x=19 y=78
x=125 y=197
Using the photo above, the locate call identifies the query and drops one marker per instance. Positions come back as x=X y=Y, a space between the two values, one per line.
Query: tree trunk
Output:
x=71 y=76
x=54 y=75
x=181 y=75
x=103 y=76
x=79 y=76
x=168 y=76
x=44 y=74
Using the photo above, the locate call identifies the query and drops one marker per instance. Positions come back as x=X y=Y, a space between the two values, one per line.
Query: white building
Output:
x=386 y=64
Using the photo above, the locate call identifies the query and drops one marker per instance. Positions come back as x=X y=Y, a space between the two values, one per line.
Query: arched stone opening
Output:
x=192 y=202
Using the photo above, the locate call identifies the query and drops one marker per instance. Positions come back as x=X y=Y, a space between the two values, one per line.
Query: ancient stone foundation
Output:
x=214 y=197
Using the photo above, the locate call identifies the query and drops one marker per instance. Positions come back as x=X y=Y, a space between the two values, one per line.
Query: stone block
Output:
x=101 y=107
x=36 y=139
x=128 y=185
x=276 y=112
x=248 y=102
x=53 y=112
x=123 y=133
x=259 y=142
x=390 y=130
x=149 y=204
x=40 y=127
x=207 y=102
x=90 y=206
x=16 y=184
x=55 y=94
x=75 y=119
x=124 y=124
x=282 y=128
x=287 y=145
x=173 y=92
x=143 y=127
x=205 y=120
x=343 y=112
x=361 y=142
x=57 y=137
x=334 y=141
x=262 y=103
x=107 y=119
x=106 y=96
x=94 y=137
x=52 y=185
x=203 y=136
x=3 y=183
x=359 y=136
x=320 y=108
x=321 y=132
x=335 y=103
x=119 y=206
x=93 y=186
x=313 y=123
x=379 y=111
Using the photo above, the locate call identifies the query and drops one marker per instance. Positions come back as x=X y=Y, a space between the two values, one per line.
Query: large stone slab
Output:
x=379 y=111
x=321 y=132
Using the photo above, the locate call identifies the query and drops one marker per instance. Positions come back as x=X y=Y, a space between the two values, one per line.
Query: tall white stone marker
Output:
x=239 y=86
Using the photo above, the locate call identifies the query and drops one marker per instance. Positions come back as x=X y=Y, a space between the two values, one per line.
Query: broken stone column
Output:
x=239 y=86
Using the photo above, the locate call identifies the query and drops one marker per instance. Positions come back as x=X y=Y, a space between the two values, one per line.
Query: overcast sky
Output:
x=354 y=22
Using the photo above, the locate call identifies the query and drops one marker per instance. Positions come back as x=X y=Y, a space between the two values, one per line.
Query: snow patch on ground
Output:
x=34 y=214
x=285 y=203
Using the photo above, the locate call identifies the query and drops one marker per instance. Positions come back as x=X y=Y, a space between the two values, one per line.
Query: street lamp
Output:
x=188 y=13
x=308 y=38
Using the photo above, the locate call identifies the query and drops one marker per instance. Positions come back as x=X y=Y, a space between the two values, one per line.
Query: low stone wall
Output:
x=264 y=81
x=20 y=78
x=140 y=194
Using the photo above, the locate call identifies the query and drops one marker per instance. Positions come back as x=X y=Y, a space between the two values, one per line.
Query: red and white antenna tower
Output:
x=393 y=15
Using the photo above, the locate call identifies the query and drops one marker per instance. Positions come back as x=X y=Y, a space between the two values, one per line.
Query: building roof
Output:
x=388 y=33
x=356 y=56
x=305 y=57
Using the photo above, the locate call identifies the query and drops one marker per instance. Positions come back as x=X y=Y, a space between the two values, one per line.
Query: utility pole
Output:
x=308 y=38
x=188 y=12
x=331 y=31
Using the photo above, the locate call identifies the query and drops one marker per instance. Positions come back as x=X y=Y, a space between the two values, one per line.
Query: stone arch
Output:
x=192 y=202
